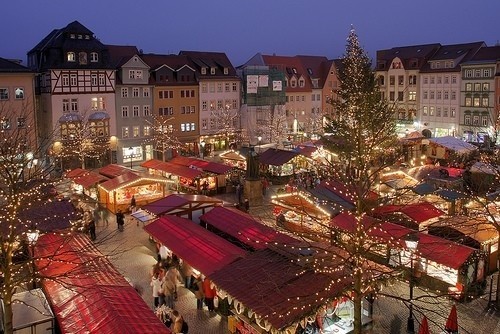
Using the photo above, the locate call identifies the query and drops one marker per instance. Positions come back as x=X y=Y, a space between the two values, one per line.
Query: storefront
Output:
x=116 y=194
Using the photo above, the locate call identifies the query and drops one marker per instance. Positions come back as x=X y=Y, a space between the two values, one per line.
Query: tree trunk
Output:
x=498 y=276
x=8 y=292
x=358 y=325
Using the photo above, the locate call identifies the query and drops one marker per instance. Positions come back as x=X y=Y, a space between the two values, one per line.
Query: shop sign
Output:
x=245 y=328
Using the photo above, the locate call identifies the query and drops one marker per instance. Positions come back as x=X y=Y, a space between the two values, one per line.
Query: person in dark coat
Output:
x=120 y=220
x=92 y=229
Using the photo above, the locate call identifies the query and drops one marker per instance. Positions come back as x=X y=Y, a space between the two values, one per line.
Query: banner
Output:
x=277 y=85
x=263 y=81
x=252 y=84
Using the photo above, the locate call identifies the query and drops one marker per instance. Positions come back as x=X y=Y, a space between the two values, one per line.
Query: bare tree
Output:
x=273 y=128
x=163 y=135
x=225 y=121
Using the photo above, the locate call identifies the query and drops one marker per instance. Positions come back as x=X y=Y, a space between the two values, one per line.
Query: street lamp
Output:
x=131 y=155
x=259 y=139
x=202 y=144
x=411 y=242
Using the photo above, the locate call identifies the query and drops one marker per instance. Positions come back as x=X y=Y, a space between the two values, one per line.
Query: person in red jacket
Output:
x=210 y=294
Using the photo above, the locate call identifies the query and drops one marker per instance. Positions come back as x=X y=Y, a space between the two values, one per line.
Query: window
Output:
x=138 y=74
x=467 y=119
x=468 y=101
x=426 y=80
x=412 y=80
x=94 y=57
x=74 y=105
x=391 y=96
x=431 y=111
x=475 y=120
x=135 y=111
x=446 y=79
x=131 y=74
x=124 y=111
x=426 y=95
x=486 y=87
x=468 y=87
x=219 y=87
x=65 y=105
x=65 y=80
x=203 y=70
x=146 y=110
x=486 y=73
x=70 y=56
x=235 y=87
x=476 y=102
x=401 y=80
x=93 y=79
x=73 y=80
x=293 y=83
x=439 y=94
x=125 y=132
x=227 y=87
x=212 y=105
x=432 y=80
x=477 y=87
x=468 y=73
x=135 y=92
x=432 y=94
x=183 y=127
x=439 y=80
x=82 y=58
x=166 y=94
x=124 y=92
x=313 y=97
x=135 y=131
x=446 y=95
x=204 y=105
x=454 y=79
x=301 y=83
x=318 y=97
x=477 y=74
x=21 y=122
x=19 y=93
x=412 y=96
x=146 y=131
x=291 y=98
x=453 y=112
x=235 y=104
x=219 y=104
x=226 y=70
x=400 y=96
x=4 y=123
x=146 y=92
x=453 y=95
x=204 y=88
x=4 y=93
x=303 y=98
x=392 y=80
x=204 y=123
x=438 y=112
x=102 y=80
x=212 y=70
x=381 y=81
x=484 y=121
x=445 y=111
x=97 y=103
x=485 y=101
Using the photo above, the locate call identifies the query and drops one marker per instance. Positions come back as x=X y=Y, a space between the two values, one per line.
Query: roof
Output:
x=51 y=215
x=171 y=168
x=292 y=67
x=265 y=282
x=449 y=194
x=398 y=180
x=407 y=53
x=276 y=157
x=87 y=294
x=120 y=54
x=209 y=59
x=302 y=204
x=430 y=247
x=197 y=246
x=418 y=212
x=180 y=204
x=113 y=170
x=231 y=155
x=9 y=66
x=452 y=143
x=476 y=228
x=130 y=178
x=85 y=178
x=244 y=228
x=424 y=189
x=208 y=166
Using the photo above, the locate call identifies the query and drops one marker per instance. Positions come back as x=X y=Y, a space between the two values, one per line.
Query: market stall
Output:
x=442 y=263
x=301 y=213
x=116 y=194
x=416 y=216
x=242 y=229
x=183 y=205
x=234 y=159
x=85 y=182
x=184 y=178
x=86 y=291
x=278 y=163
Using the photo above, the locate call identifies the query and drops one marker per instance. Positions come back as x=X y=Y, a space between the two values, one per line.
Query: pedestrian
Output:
x=198 y=291
x=247 y=205
x=168 y=290
x=92 y=229
x=174 y=276
x=265 y=185
x=187 y=272
x=132 y=203
x=120 y=220
x=210 y=293
x=156 y=285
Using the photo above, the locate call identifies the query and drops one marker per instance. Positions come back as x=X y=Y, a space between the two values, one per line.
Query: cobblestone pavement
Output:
x=133 y=255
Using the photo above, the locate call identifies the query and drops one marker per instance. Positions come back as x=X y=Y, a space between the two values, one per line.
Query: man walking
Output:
x=120 y=220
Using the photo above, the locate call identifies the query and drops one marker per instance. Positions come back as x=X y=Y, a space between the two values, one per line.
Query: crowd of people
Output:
x=167 y=274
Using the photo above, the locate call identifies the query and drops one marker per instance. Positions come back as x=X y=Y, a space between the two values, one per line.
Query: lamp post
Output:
x=259 y=139
x=202 y=144
x=131 y=155
x=411 y=242
x=32 y=236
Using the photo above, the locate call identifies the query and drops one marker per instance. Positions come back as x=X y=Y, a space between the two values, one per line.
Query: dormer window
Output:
x=87 y=37
x=70 y=56
x=80 y=36
x=293 y=83
x=301 y=83
x=294 y=70
x=226 y=70
x=212 y=70
x=94 y=57
x=203 y=70
x=72 y=36
x=82 y=58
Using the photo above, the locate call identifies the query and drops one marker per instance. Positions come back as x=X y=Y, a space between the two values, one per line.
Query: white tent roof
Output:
x=455 y=144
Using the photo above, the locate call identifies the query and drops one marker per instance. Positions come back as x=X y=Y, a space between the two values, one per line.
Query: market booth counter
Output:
x=116 y=194
x=442 y=264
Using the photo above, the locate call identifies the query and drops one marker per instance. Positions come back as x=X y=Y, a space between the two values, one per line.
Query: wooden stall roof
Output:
x=113 y=170
x=179 y=204
x=131 y=178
